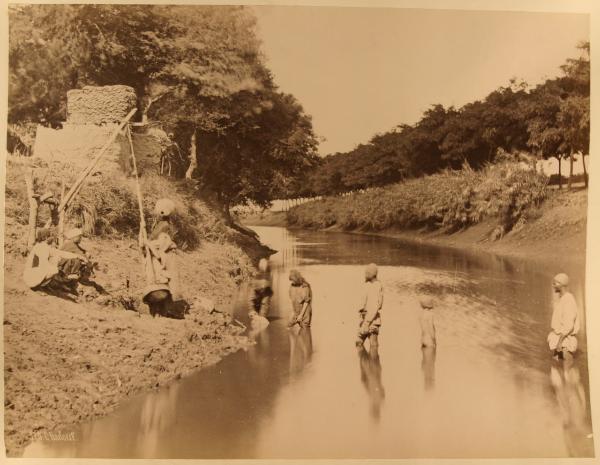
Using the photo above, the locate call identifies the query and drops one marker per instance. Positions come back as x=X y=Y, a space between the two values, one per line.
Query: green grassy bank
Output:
x=447 y=202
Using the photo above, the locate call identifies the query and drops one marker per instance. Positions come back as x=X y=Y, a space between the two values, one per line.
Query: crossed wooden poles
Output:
x=58 y=208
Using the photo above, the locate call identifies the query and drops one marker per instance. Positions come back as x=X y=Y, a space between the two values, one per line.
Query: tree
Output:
x=541 y=112
x=54 y=48
x=574 y=114
x=274 y=143
x=552 y=120
x=557 y=112
x=574 y=124
x=197 y=69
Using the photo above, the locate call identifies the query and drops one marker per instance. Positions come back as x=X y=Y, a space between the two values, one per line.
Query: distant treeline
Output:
x=549 y=120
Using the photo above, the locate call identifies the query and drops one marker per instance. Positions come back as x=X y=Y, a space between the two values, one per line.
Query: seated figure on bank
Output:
x=51 y=268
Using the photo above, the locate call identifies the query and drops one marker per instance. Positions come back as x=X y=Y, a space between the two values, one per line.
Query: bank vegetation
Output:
x=509 y=191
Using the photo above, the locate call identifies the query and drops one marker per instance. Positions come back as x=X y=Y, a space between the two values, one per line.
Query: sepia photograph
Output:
x=297 y=232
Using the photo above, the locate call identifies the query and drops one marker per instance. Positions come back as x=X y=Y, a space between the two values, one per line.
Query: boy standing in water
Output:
x=301 y=297
x=427 y=323
x=372 y=301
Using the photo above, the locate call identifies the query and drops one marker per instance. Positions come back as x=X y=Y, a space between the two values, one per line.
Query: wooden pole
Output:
x=148 y=256
x=137 y=185
x=86 y=172
x=193 y=159
x=33 y=209
x=61 y=216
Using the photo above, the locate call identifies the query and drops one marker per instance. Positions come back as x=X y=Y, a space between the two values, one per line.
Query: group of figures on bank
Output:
x=58 y=267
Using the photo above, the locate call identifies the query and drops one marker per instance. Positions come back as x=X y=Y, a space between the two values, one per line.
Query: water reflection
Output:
x=565 y=379
x=486 y=394
x=428 y=367
x=301 y=349
x=158 y=414
x=370 y=376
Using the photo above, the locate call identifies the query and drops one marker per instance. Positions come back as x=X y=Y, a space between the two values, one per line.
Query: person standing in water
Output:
x=562 y=340
x=427 y=323
x=301 y=297
x=370 y=310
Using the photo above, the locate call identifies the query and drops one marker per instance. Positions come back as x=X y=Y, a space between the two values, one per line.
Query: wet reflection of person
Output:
x=301 y=349
x=261 y=291
x=157 y=416
x=428 y=366
x=370 y=376
x=570 y=396
x=428 y=342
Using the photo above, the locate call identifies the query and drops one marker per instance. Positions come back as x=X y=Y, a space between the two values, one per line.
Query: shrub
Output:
x=108 y=206
x=449 y=200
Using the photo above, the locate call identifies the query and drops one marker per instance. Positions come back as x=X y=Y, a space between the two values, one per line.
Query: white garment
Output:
x=372 y=301
x=39 y=265
x=565 y=320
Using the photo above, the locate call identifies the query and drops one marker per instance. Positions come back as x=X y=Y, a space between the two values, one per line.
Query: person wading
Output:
x=370 y=309
x=301 y=297
x=562 y=340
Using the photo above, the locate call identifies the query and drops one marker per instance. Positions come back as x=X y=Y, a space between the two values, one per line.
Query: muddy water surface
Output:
x=489 y=390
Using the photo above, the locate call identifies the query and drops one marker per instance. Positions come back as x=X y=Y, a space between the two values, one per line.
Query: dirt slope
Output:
x=67 y=361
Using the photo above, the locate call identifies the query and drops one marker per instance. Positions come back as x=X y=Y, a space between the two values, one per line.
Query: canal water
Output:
x=490 y=388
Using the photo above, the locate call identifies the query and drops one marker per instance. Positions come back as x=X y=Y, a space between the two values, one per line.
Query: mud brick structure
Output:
x=92 y=115
x=99 y=105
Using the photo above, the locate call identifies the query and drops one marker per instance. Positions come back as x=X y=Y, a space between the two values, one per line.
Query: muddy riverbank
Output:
x=67 y=362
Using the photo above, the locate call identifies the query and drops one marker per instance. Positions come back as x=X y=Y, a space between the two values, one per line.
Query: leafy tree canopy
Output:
x=197 y=69
x=550 y=120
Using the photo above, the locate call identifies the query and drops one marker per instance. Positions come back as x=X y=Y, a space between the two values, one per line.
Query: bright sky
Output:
x=360 y=71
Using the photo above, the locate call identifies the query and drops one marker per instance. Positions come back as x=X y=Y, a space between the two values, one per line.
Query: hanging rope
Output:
x=138 y=188
x=143 y=232
x=155 y=292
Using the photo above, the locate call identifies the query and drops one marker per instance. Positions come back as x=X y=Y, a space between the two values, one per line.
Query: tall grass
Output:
x=107 y=206
x=447 y=201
